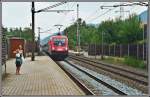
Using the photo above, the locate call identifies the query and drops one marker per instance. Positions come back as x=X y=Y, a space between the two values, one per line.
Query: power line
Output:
x=46 y=31
x=33 y=22
x=73 y=5
x=122 y=11
x=95 y=12
x=49 y=7
x=57 y=11
x=90 y=16
x=64 y=17
x=120 y=5
x=101 y=14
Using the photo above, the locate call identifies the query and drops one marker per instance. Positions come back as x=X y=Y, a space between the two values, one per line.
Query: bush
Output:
x=113 y=60
x=110 y=58
x=131 y=61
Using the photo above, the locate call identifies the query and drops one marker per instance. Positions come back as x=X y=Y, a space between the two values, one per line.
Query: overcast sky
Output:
x=17 y=14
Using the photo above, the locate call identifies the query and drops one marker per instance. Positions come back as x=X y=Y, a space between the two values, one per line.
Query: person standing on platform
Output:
x=19 y=58
x=18 y=62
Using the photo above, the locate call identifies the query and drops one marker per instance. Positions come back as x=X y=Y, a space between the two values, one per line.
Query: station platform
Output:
x=40 y=77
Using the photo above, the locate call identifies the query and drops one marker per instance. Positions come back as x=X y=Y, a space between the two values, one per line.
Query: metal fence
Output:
x=4 y=48
x=138 y=51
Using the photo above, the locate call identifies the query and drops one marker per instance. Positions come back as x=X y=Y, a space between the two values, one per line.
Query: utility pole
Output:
x=39 y=40
x=143 y=40
x=66 y=33
x=77 y=28
x=121 y=11
x=148 y=36
x=33 y=37
x=1 y=46
x=102 y=57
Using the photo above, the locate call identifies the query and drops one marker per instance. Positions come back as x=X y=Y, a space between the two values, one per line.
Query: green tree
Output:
x=25 y=33
x=114 y=32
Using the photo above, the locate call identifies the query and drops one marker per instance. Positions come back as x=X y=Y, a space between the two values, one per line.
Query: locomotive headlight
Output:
x=53 y=48
x=66 y=48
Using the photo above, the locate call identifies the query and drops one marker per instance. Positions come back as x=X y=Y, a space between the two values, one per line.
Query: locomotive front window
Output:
x=59 y=42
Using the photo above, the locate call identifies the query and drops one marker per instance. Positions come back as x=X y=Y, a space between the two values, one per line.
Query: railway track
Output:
x=80 y=84
x=119 y=92
x=87 y=88
x=140 y=78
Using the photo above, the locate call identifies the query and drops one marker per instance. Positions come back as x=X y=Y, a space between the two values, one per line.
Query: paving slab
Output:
x=40 y=77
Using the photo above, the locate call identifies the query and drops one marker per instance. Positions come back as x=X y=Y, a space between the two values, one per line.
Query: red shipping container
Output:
x=14 y=44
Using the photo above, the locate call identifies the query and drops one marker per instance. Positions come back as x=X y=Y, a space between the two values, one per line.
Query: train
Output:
x=57 y=47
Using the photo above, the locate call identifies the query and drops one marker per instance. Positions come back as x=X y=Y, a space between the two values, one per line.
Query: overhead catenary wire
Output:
x=134 y=9
x=49 y=7
x=46 y=31
x=115 y=6
x=73 y=4
x=95 y=12
x=65 y=15
x=101 y=14
x=89 y=19
x=127 y=4
x=90 y=16
x=62 y=18
x=133 y=5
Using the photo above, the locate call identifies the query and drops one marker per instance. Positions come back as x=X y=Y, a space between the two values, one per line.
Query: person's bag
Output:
x=22 y=59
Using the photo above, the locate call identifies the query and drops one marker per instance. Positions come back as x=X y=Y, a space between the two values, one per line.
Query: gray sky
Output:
x=17 y=14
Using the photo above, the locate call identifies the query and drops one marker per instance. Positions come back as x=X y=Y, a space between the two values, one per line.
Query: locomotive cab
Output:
x=58 y=46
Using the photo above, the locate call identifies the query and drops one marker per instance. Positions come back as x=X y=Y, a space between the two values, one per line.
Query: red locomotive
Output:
x=57 y=47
